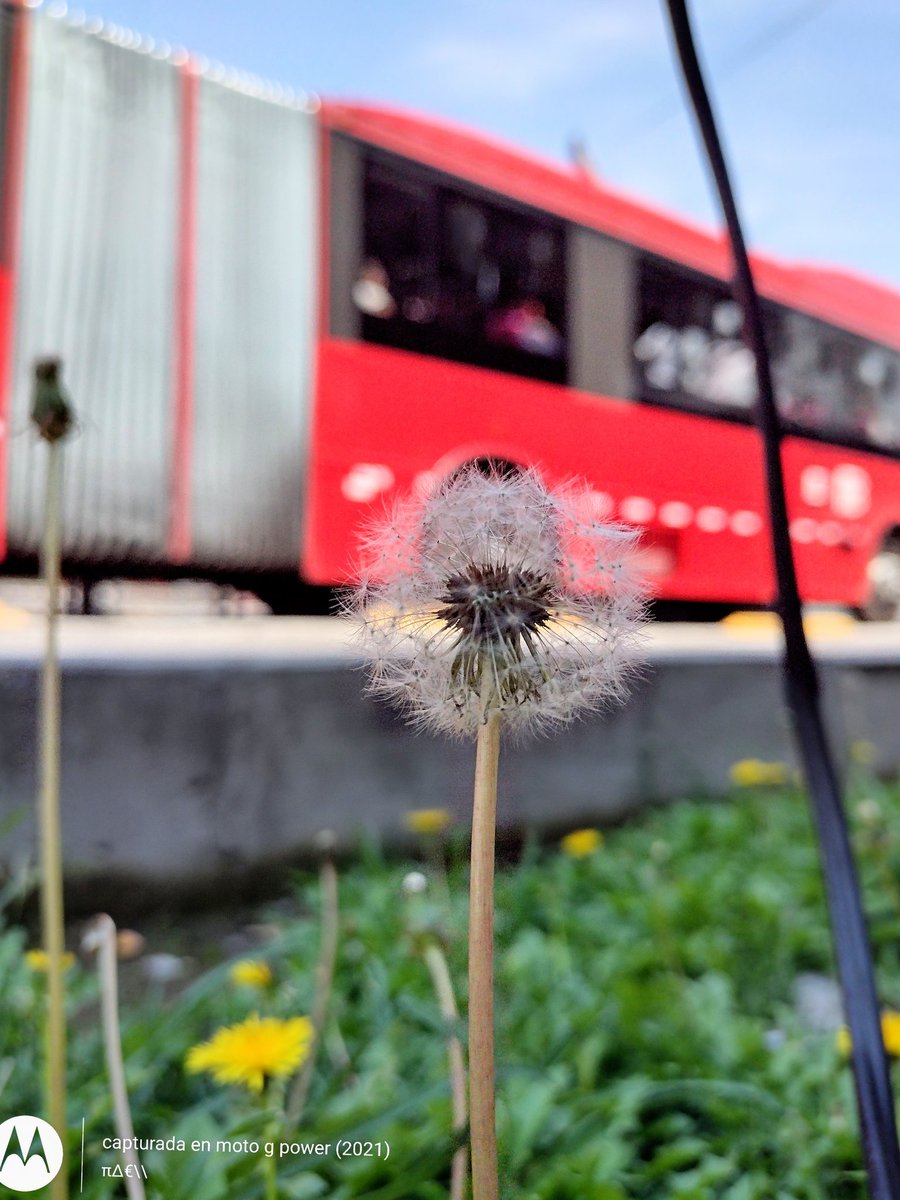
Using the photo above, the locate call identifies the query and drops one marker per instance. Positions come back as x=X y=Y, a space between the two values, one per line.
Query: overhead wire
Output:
x=656 y=113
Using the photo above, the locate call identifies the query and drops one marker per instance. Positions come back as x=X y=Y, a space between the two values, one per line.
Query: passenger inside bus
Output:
x=525 y=325
x=371 y=290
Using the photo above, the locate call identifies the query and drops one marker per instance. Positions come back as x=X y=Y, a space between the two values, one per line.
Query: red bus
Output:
x=322 y=305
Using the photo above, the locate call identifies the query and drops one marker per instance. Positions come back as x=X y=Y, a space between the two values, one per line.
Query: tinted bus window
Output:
x=688 y=348
x=688 y=351
x=836 y=384
x=457 y=275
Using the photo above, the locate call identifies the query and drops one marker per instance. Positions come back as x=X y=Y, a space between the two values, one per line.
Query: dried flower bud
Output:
x=130 y=944
x=51 y=411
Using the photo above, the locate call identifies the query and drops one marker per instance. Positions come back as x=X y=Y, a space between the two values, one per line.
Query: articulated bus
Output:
x=274 y=315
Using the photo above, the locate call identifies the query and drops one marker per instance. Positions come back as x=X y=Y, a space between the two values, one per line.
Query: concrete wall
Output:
x=184 y=776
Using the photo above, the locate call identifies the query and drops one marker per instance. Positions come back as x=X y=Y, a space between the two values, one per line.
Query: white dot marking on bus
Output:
x=851 y=491
x=745 y=523
x=830 y=533
x=637 y=509
x=803 y=530
x=364 y=481
x=712 y=519
x=425 y=482
x=600 y=504
x=814 y=486
x=675 y=514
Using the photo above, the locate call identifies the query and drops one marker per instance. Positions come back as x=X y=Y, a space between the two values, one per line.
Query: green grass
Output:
x=637 y=995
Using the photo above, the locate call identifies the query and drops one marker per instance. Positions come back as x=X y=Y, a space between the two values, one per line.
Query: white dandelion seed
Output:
x=497 y=595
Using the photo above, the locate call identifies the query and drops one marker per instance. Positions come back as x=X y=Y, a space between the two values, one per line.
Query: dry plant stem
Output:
x=51 y=842
x=483 y=1136
x=443 y=986
x=324 y=979
x=102 y=938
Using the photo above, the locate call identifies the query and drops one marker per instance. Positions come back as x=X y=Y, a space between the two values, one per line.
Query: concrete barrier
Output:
x=208 y=770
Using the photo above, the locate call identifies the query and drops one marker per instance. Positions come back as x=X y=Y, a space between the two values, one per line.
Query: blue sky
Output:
x=808 y=92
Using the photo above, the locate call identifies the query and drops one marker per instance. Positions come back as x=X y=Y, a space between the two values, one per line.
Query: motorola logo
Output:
x=31 y=1153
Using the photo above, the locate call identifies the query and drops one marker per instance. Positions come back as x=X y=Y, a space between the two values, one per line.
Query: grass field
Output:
x=648 y=1039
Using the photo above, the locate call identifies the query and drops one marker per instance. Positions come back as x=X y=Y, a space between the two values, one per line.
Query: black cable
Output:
x=849 y=935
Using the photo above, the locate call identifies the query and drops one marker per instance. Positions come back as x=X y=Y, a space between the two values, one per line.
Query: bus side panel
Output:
x=388 y=420
x=14 y=29
x=257 y=191
x=843 y=503
x=96 y=283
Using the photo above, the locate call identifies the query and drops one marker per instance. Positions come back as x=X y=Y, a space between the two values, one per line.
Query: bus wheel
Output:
x=884 y=582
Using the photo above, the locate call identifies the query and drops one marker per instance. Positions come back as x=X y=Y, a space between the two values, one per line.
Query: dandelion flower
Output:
x=495 y=593
x=495 y=603
x=257 y=1049
x=427 y=820
x=39 y=960
x=251 y=973
x=753 y=772
x=864 y=752
x=890 y=1033
x=581 y=843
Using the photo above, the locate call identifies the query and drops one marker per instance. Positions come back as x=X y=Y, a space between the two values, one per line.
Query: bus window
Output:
x=879 y=370
x=688 y=348
x=459 y=276
x=396 y=284
x=835 y=383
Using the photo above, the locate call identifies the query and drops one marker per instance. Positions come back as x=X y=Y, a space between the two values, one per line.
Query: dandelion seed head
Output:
x=495 y=594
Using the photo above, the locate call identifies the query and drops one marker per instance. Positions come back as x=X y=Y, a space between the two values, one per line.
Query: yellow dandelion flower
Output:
x=251 y=972
x=39 y=960
x=863 y=752
x=581 y=843
x=254 y=1050
x=427 y=820
x=890 y=1032
x=753 y=772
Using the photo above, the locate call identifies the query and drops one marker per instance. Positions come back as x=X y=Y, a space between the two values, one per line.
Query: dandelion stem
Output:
x=443 y=986
x=270 y=1174
x=483 y=1136
x=51 y=842
x=324 y=978
x=102 y=938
